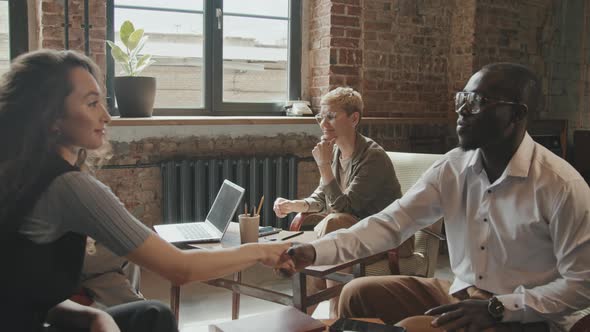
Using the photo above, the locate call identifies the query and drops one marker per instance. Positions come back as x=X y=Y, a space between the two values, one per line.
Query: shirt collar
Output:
x=518 y=166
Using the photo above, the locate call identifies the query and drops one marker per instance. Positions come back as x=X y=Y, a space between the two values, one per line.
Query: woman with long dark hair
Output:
x=51 y=112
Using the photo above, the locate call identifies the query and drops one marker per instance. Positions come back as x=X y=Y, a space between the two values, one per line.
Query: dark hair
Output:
x=32 y=99
x=520 y=83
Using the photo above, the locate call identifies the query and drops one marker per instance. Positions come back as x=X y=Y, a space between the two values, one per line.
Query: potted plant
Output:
x=135 y=94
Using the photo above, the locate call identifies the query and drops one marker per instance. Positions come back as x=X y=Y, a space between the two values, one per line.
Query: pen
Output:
x=292 y=236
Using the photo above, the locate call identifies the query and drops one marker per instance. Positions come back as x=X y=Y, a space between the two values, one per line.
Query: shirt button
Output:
x=480 y=277
x=489 y=191
x=483 y=248
x=485 y=219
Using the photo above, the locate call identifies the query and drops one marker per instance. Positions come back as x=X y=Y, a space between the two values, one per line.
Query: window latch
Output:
x=219 y=15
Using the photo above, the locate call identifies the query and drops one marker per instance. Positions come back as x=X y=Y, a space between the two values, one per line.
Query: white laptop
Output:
x=212 y=229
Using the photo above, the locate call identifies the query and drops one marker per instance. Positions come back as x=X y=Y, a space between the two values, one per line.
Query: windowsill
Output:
x=250 y=120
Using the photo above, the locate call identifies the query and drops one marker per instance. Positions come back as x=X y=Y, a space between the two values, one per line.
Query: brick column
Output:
x=51 y=27
x=335 y=46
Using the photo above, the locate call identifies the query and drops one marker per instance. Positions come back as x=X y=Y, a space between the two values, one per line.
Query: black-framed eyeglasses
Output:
x=471 y=102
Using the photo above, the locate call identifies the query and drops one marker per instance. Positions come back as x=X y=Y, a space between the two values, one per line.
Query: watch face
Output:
x=496 y=308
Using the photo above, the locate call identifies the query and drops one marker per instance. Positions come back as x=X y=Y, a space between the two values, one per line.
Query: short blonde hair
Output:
x=345 y=97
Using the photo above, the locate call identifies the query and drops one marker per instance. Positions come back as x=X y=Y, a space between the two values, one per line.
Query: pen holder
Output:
x=248 y=228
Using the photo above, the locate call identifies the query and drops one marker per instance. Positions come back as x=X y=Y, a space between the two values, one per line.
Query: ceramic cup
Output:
x=249 y=228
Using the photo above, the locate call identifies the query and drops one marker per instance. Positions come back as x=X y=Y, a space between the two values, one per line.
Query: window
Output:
x=214 y=57
x=13 y=33
x=4 y=40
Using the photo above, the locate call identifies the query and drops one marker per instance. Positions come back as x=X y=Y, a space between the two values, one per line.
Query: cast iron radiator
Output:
x=189 y=187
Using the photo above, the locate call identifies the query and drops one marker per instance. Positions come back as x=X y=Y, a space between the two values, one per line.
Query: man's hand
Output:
x=297 y=258
x=322 y=152
x=472 y=315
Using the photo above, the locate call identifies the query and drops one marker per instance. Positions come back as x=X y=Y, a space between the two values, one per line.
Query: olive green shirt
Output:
x=370 y=186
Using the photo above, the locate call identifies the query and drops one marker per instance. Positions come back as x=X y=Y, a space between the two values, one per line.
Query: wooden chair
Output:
x=408 y=167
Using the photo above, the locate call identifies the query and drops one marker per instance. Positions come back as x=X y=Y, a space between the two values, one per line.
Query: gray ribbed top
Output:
x=79 y=203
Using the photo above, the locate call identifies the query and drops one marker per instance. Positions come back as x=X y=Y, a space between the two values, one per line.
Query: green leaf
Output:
x=118 y=54
x=139 y=69
x=125 y=31
x=134 y=39
x=144 y=59
x=127 y=69
x=139 y=47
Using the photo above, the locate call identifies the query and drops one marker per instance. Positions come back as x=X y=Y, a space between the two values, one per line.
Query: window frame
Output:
x=213 y=104
x=18 y=29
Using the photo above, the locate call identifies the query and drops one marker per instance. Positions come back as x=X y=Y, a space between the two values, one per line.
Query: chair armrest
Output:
x=82 y=297
x=434 y=234
x=305 y=220
x=583 y=325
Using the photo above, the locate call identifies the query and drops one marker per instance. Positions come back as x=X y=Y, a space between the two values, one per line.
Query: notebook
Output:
x=352 y=325
x=286 y=319
x=214 y=227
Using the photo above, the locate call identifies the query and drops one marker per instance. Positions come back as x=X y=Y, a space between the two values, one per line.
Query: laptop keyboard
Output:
x=194 y=231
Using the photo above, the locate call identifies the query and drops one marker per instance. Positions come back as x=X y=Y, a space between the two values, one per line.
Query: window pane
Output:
x=255 y=53
x=258 y=7
x=176 y=43
x=4 y=40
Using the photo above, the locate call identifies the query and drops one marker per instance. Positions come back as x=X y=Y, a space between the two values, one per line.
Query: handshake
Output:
x=294 y=259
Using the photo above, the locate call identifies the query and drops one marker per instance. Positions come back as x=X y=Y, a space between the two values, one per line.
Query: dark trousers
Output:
x=139 y=316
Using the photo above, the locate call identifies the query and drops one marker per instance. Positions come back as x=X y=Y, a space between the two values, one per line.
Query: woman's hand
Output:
x=273 y=253
x=282 y=207
x=322 y=152
x=298 y=257
x=103 y=322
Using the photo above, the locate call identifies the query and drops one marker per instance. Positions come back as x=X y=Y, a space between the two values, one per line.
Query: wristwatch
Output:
x=496 y=309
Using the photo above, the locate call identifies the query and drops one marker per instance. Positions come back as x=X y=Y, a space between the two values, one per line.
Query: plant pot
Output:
x=135 y=96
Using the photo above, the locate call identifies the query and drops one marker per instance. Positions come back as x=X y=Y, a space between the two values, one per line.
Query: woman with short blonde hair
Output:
x=357 y=176
x=346 y=98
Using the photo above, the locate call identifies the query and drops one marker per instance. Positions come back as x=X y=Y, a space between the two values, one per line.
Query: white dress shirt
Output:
x=525 y=237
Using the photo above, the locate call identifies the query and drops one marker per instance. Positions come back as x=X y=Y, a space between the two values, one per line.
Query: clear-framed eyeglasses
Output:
x=471 y=102
x=323 y=115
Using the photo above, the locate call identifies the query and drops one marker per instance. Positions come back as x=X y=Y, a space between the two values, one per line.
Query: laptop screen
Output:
x=225 y=205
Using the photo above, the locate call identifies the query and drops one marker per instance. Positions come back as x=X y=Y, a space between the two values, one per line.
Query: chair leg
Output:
x=300 y=291
x=175 y=300
x=235 y=303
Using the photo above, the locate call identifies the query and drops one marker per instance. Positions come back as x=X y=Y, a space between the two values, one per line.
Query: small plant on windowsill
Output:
x=135 y=94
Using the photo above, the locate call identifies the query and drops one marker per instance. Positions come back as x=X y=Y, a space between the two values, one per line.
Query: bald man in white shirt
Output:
x=516 y=217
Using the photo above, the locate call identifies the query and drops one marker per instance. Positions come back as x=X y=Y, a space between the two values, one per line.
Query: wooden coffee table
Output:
x=299 y=299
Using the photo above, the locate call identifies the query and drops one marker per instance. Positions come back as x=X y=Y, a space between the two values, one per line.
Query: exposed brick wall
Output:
x=406 y=47
x=319 y=49
x=406 y=57
x=461 y=52
x=567 y=57
x=346 y=52
x=551 y=37
x=139 y=188
x=51 y=27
